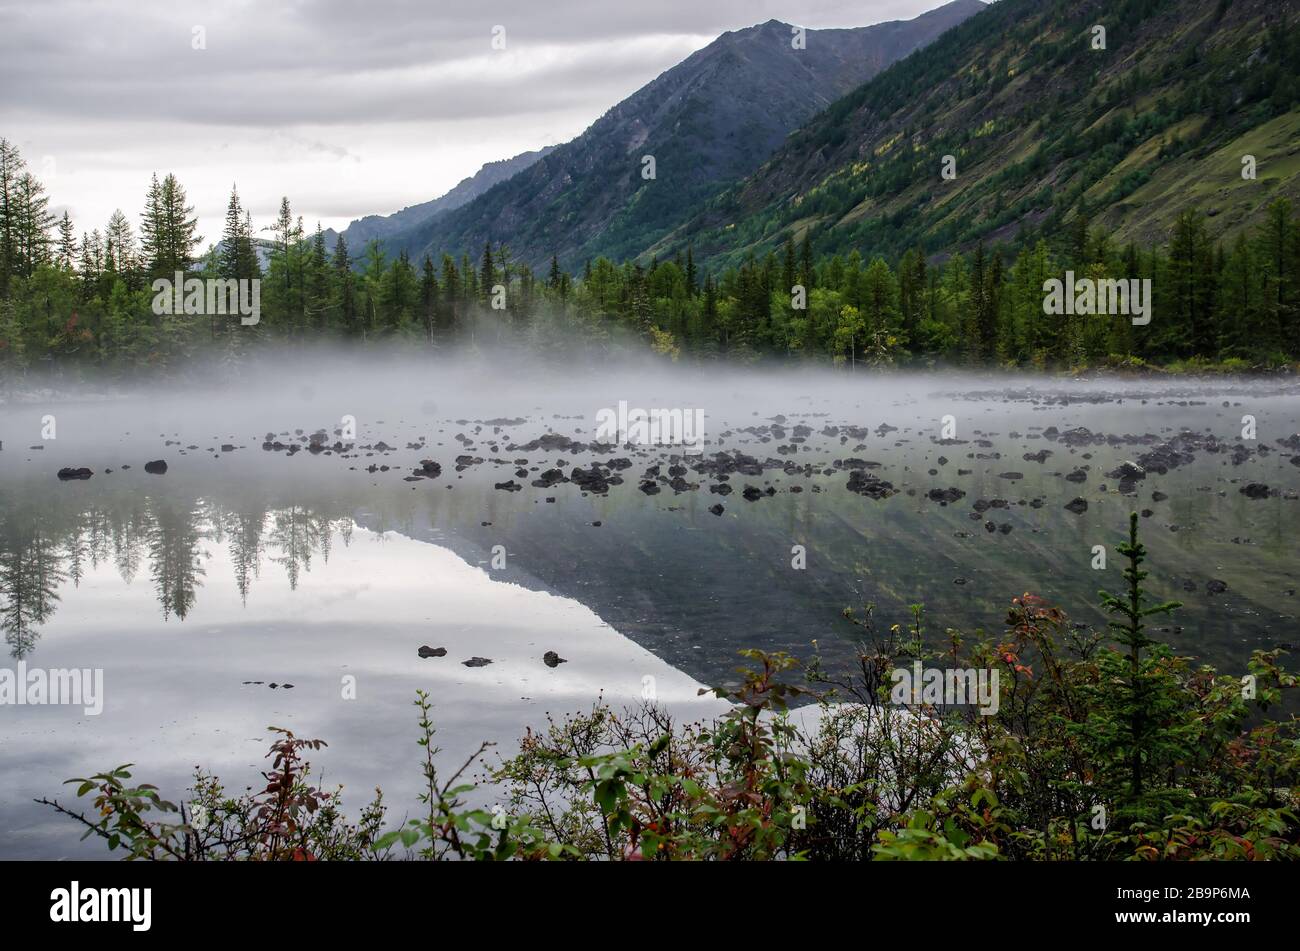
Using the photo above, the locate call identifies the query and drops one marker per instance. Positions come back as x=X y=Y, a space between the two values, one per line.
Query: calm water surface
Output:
x=250 y=565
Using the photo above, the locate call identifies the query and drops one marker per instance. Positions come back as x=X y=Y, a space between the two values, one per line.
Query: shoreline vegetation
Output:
x=1102 y=746
x=82 y=307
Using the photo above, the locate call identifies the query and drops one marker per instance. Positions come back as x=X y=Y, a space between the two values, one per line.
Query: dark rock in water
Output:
x=1147 y=513
x=752 y=494
x=549 y=478
x=990 y=527
x=427 y=651
x=509 y=486
x=945 y=495
x=1078 y=475
x=157 y=467
x=429 y=468
x=1158 y=496
x=1255 y=490
x=960 y=580
x=477 y=662
x=1006 y=528
x=552 y=659
x=864 y=483
x=1077 y=506
x=227 y=447
x=593 y=479
x=717 y=509
x=1189 y=585
x=67 y=474
x=1079 y=436
x=721 y=488
x=1013 y=476
x=1040 y=456
x=1215 y=586
x=1168 y=456
x=649 y=487
x=550 y=442
x=1127 y=472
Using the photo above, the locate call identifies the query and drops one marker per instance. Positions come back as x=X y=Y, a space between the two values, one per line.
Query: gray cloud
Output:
x=351 y=107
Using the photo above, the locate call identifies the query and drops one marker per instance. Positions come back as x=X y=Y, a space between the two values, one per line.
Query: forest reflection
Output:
x=166 y=538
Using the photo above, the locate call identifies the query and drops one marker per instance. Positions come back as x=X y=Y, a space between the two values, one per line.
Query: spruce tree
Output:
x=1138 y=697
x=67 y=243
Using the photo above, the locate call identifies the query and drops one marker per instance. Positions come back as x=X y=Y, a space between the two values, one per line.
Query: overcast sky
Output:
x=349 y=108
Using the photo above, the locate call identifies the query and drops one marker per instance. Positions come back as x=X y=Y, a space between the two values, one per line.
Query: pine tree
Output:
x=11 y=169
x=67 y=257
x=451 y=293
x=428 y=296
x=152 y=228
x=1139 y=706
x=232 y=239
x=119 y=246
x=167 y=228
x=487 y=276
x=806 y=272
x=911 y=294
x=345 y=305
x=32 y=221
x=318 y=282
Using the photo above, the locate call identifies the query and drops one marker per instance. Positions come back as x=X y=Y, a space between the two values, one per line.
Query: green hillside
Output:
x=1044 y=129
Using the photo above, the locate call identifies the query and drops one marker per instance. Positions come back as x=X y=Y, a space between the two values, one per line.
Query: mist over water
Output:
x=243 y=564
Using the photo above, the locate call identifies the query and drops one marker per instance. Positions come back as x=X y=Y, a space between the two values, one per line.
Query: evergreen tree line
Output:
x=88 y=302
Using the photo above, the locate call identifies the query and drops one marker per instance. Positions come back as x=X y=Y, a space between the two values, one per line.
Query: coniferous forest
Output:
x=82 y=299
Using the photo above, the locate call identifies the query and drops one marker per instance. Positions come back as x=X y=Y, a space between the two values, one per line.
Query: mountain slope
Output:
x=380 y=227
x=1046 y=131
x=707 y=121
